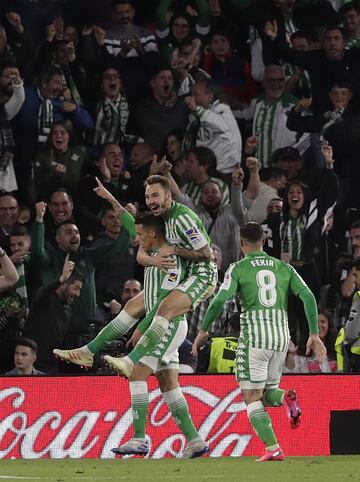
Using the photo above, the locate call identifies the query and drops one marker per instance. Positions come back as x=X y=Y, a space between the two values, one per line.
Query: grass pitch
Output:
x=292 y=469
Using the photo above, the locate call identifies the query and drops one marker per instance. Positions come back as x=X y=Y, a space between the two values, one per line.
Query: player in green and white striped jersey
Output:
x=188 y=239
x=163 y=360
x=263 y=284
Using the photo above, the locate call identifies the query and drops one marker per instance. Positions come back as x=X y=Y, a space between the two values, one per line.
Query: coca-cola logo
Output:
x=53 y=435
x=88 y=416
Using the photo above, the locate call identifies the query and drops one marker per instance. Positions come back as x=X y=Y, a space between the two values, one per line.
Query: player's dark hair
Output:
x=157 y=179
x=252 y=233
x=148 y=220
x=28 y=342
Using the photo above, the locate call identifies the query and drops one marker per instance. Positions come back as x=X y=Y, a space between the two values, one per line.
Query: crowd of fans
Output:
x=251 y=108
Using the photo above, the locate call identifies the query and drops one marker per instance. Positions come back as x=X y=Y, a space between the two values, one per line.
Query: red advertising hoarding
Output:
x=87 y=416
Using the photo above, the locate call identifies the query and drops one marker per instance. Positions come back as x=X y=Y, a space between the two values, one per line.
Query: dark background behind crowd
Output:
x=255 y=103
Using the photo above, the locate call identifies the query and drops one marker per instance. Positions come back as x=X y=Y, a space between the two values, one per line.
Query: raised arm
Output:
x=238 y=209
x=8 y=274
x=38 y=252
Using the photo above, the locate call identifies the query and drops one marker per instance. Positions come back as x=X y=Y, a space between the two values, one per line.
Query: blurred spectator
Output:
x=294 y=235
x=325 y=66
x=50 y=261
x=347 y=280
x=298 y=361
x=340 y=126
x=272 y=181
x=229 y=69
x=348 y=341
x=112 y=111
x=61 y=208
x=60 y=162
x=141 y=158
x=111 y=275
x=212 y=124
x=11 y=311
x=163 y=112
x=20 y=242
x=171 y=32
x=11 y=99
x=124 y=38
x=174 y=154
x=350 y=16
x=218 y=353
x=61 y=53
x=131 y=288
x=298 y=80
x=275 y=205
x=49 y=318
x=186 y=68
x=9 y=212
x=42 y=107
x=200 y=167
x=25 y=356
x=268 y=113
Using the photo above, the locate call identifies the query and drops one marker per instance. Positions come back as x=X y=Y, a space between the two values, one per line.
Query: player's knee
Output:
x=161 y=322
x=167 y=380
x=251 y=396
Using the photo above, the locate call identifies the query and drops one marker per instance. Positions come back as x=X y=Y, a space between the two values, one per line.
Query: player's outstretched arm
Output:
x=203 y=254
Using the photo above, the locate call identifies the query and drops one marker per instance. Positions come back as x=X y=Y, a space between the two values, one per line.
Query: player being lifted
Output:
x=263 y=284
x=187 y=238
x=163 y=361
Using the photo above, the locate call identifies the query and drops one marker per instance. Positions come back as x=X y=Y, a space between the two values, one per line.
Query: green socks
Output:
x=117 y=327
x=150 y=338
x=179 y=409
x=274 y=397
x=140 y=404
x=261 y=423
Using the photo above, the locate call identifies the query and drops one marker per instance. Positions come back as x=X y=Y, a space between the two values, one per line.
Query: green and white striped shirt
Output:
x=184 y=228
x=263 y=284
x=158 y=284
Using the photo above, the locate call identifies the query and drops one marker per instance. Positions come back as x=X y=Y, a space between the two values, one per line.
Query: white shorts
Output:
x=259 y=368
x=165 y=356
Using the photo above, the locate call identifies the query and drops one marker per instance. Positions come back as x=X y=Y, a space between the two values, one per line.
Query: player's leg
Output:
x=275 y=397
x=252 y=371
x=177 y=405
x=138 y=445
x=185 y=297
x=117 y=327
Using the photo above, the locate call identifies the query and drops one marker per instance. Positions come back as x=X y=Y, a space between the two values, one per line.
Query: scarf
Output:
x=292 y=235
x=111 y=122
x=7 y=143
x=45 y=118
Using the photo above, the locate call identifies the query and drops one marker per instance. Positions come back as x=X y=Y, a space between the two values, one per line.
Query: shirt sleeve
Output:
x=191 y=233
x=299 y=288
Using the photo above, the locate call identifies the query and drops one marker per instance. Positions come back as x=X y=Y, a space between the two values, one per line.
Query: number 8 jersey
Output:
x=263 y=284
